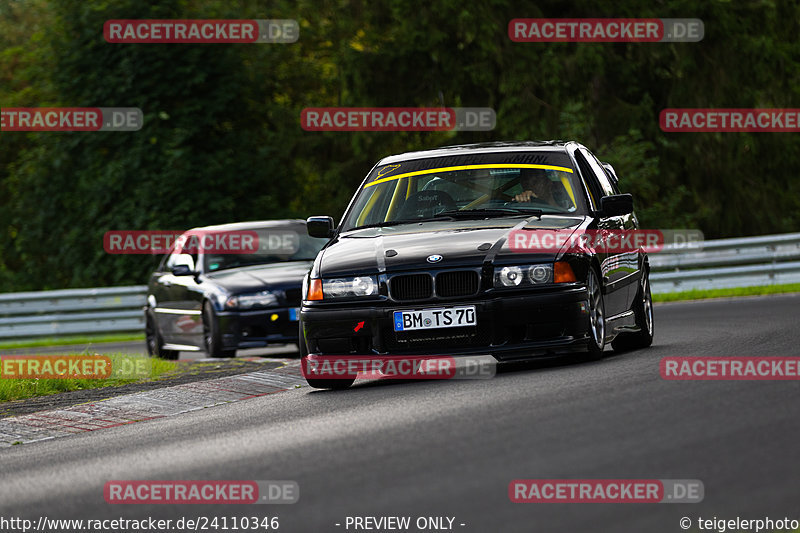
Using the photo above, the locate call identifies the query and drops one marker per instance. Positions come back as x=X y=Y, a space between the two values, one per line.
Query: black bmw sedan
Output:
x=229 y=286
x=434 y=257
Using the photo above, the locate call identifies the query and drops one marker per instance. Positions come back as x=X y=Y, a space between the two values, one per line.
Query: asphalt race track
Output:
x=452 y=448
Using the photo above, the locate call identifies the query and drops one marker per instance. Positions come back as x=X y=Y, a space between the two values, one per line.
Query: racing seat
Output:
x=425 y=204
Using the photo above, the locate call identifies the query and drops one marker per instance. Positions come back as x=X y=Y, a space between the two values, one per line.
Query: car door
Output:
x=158 y=291
x=632 y=261
x=614 y=267
x=178 y=311
x=628 y=262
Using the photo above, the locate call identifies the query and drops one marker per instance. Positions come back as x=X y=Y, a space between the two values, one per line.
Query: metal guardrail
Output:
x=723 y=263
x=728 y=263
x=72 y=312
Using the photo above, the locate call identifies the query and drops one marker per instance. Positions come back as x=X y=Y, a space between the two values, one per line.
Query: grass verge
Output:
x=70 y=340
x=19 y=389
x=726 y=293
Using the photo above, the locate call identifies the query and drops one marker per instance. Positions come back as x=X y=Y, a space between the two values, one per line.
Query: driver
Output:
x=536 y=185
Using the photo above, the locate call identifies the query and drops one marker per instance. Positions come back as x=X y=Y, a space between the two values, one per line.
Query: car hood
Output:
x=408 y=247
x=261 y=277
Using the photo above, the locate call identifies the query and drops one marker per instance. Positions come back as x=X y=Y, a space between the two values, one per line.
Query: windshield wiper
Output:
x=491 y=212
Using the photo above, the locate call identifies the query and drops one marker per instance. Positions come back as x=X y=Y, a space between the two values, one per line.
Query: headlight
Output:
x=540 y=273
x=509 y=276
x=252 y=300
x=523 y=275
x=350 y=287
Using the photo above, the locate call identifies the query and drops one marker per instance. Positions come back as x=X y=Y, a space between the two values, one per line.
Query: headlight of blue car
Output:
x=251 y=300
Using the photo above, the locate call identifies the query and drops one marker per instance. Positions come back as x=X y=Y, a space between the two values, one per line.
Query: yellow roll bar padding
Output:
x=393 y=204
x=367 y=208
x=568 y=186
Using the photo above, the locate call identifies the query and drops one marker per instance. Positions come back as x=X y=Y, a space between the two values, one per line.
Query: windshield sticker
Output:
x=386 y=170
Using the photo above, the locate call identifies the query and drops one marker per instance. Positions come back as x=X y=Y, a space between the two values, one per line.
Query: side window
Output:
x=614 y=186
x=595 y=192
x=600 y=172
x=612 y=178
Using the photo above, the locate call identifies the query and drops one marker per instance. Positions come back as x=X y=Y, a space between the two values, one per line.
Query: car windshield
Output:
x=457 y=191
x=274 y=245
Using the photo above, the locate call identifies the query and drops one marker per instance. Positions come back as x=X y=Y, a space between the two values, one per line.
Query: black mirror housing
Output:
x=616 y=205
x=182 y=270
x=320 y=227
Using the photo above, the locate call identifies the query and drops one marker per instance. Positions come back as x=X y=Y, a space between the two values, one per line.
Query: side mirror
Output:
x=320 y=227
x=182 y=270
x=616 y=205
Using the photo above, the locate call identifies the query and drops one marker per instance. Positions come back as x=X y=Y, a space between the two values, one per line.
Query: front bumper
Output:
x=509 y=326
x=258 y=328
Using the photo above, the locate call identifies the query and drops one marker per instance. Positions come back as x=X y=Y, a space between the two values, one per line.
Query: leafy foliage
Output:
x=222 y=140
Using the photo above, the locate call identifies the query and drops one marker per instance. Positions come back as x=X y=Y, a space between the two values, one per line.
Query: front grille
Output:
x=292 y=297
x=458 y=283
x=412 y=287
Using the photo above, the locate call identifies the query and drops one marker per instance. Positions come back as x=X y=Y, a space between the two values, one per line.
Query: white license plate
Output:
x=451 y=317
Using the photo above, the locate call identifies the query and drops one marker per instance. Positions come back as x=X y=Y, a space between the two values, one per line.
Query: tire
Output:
x=643 y=310
x=212 y=338
x=154 y=340
x=334 y=384
x=597 y=316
